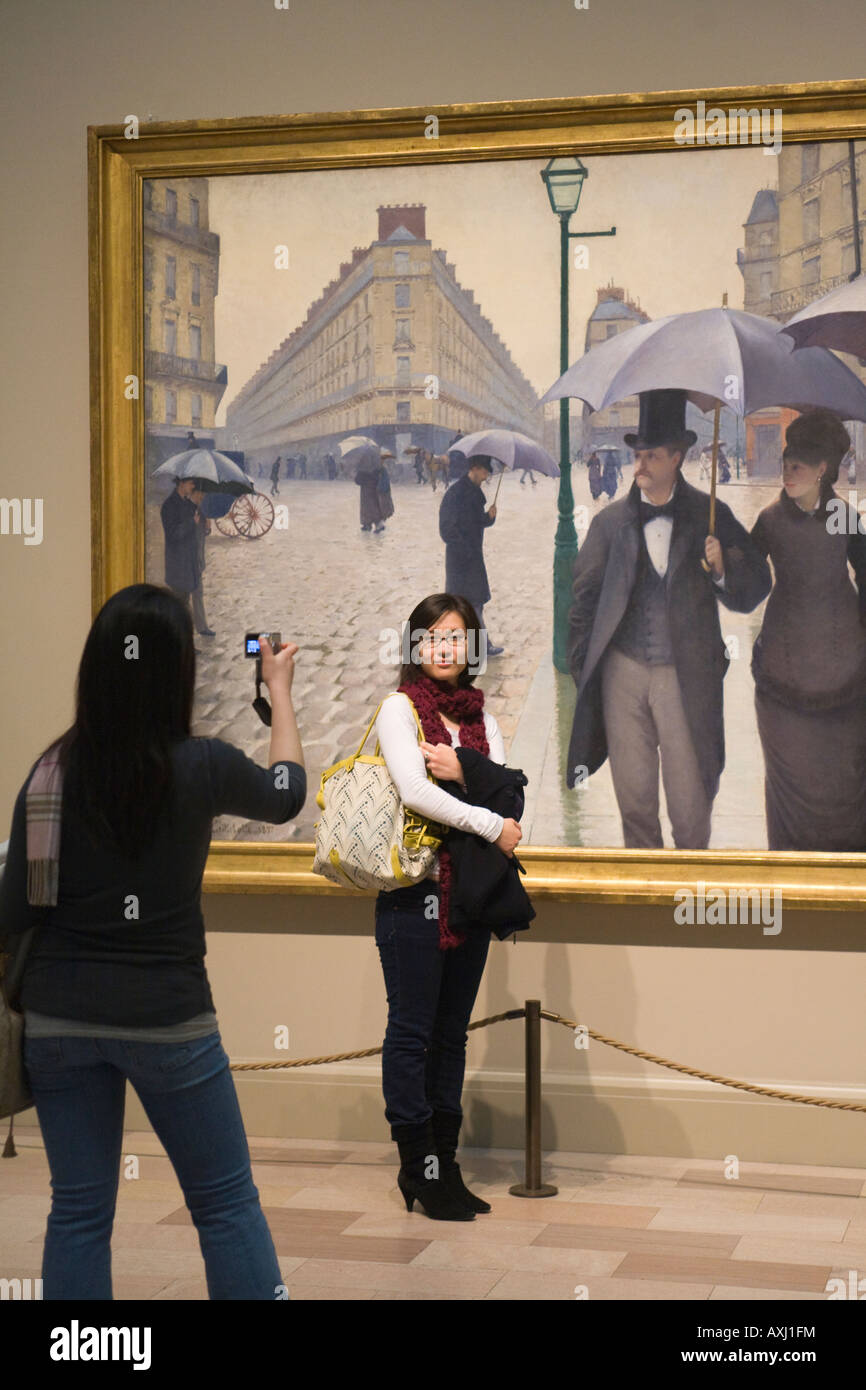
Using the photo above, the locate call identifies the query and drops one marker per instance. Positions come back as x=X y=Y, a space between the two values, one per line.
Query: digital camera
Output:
x=252 y=646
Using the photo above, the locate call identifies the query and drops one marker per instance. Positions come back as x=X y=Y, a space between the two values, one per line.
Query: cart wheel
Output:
x=253 y=515
x=226 y=526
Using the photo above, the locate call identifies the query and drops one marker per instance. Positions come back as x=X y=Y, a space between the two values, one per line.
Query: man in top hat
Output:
x=645 y=644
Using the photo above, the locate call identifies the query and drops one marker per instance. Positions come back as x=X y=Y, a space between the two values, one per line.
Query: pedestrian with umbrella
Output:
x=375 y=498
x=463 y=520
x=593 y=468
x=202 y=531
x=809 y=659
x=180 y=527
x=275 y=476
x=609 y=476
x=194 y=472
x=645 y=644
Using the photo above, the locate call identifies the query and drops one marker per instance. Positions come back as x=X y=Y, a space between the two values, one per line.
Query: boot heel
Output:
x=408 y=1197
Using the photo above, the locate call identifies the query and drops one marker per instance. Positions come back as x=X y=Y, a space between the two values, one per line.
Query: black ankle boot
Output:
x=446 y=1129
x=420 y=1179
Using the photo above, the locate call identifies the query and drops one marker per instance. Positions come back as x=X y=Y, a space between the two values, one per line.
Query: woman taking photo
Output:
x=432 y=973
x=115 y=831
x=809 y=660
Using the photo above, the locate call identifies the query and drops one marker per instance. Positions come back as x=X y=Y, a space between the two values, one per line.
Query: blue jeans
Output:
x=186 y=1088
x=431 y=994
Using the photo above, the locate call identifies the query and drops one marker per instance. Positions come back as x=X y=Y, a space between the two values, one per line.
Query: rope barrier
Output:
x=368 y=1052
x=572 y=1024
x=706 y=1075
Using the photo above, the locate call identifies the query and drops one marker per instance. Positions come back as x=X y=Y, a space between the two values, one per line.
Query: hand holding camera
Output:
x=278 y=665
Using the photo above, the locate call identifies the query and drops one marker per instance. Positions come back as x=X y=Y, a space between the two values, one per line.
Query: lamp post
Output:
x=563 y=179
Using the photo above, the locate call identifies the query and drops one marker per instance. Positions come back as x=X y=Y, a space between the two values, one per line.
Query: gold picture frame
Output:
x=120 y=158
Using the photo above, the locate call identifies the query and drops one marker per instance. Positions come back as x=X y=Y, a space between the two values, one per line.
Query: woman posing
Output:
x=431 y=973
x=809 y=660
x=112 y=826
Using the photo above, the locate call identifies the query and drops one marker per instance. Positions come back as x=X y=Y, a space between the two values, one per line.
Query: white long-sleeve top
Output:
x=397 y=733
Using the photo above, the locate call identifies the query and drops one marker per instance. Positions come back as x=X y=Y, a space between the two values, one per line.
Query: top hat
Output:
x=662 y=422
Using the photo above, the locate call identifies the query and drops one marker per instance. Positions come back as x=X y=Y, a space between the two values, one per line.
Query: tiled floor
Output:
x=619 y=1227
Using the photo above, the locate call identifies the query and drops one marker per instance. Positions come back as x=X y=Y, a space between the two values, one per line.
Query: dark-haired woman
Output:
x=112 y=827
x=809 y=660
x=432 y=973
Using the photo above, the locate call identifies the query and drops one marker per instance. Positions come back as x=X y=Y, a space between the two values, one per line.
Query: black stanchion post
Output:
x=533 y=1186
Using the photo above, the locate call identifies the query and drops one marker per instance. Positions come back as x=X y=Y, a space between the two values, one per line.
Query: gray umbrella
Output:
x=718 y=357
x=216 y=472
x=509 y=448
x=836 y=320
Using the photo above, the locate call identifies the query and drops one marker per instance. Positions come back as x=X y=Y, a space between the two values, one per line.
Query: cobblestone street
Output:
x=333 y=589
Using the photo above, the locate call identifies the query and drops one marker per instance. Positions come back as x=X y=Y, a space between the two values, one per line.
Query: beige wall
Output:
x=786 y=1012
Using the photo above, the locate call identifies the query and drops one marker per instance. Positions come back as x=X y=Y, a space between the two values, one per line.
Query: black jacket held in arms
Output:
x=485 y=883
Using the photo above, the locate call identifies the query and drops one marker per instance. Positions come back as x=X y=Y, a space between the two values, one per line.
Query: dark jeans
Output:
x=430 y=998
x=186 y=1088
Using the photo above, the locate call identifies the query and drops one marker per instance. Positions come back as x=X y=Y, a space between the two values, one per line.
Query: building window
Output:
x=196 y=284
x=365 y=305
x=171 y=206
x=848 y=258
x=404 y=377
x=812 y=270
x=170 y=407
x=148 y=402
x=170 y=277
x=812 y=220
x=169 y=336
x=401 y=296
x=147 y=193
x=194 y=212
x=403 y=412
x=195 y=409
x=147 y=328
x=766 y=284
x=810 y=158
x=195 y=341
x=402 y=334
x=401 y=262
x=148 y=269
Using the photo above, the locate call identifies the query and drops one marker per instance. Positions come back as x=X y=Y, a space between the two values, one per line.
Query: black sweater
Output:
x=89 y=961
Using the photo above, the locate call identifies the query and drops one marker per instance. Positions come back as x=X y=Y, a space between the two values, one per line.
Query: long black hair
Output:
x=422 y=618
x=134 y=698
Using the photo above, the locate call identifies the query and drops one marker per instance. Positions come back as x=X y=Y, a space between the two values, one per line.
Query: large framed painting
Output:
x=619 y=303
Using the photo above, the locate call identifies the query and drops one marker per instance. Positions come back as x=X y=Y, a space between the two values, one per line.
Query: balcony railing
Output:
x=181 y=231
x=167 y=364
x=787 y=302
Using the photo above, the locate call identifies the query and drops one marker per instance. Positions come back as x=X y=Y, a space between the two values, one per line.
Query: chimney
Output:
x=409 y=215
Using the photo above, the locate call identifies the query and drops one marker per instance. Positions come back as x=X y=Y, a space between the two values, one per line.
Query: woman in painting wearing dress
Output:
x=809 y=660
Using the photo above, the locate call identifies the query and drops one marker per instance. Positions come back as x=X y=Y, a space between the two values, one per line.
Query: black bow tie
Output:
x=650 y=513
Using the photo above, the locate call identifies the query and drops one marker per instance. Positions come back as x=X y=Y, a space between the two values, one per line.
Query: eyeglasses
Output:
x=439 y=642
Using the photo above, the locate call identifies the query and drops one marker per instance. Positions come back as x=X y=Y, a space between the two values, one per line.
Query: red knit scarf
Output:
x=466 y=708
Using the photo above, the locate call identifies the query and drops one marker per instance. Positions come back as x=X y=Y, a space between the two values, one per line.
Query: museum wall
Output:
x=788 y=1010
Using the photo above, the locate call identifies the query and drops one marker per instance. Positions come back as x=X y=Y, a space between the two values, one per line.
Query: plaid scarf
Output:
x=44 y=802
